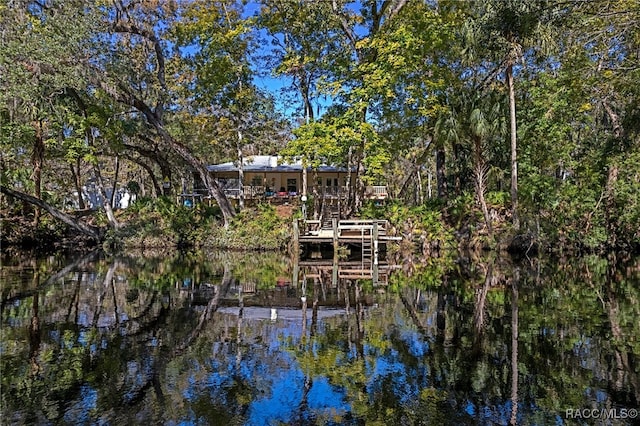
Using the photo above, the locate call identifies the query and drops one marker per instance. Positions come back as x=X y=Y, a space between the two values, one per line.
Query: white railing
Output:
x=376 y=191
x=231 y=192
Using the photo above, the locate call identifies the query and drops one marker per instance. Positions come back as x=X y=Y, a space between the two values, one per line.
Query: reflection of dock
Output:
x=287 y=314
x=352 y=270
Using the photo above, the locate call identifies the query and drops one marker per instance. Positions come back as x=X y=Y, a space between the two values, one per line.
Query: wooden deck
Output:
x=342 y=231
x=368 y=237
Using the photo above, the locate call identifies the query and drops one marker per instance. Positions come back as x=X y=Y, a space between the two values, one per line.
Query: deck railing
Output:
x=363 y=226
x=378 y=192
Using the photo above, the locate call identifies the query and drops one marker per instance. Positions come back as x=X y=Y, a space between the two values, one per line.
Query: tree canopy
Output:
x=137 y=93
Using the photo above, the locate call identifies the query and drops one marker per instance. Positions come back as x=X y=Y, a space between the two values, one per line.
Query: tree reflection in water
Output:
x=192 y=340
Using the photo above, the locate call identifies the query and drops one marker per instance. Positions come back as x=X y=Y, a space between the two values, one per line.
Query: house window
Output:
x=256 y=181
x=292 y=185
x=328 y=183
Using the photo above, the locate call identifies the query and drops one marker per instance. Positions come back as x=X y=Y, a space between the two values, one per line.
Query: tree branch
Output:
x=88 y=230
x=348 y=31
x=130 y=28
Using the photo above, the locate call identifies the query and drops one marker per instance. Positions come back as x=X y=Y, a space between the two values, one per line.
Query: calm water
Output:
x=223 y=339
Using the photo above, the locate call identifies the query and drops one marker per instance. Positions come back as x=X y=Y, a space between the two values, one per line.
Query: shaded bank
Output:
x=431 y=229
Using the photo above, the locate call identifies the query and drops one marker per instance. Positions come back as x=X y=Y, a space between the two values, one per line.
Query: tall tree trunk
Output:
x=114 y=187
x=441 y=175
x=316 y=196
x=304 y=180
x=514 y=146
x=106 y=204
x=240 y=172
x=419 y=198
x=480 y=172
x=75 y=172
x=37 y=161
x=457 y=178
x=349 y=188
x=359 y=192
x=306 y=98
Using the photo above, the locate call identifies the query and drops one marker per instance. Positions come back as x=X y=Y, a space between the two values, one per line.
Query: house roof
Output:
x=269 y=163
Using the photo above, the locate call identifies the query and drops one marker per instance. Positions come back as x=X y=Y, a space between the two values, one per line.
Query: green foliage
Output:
x=461 y=209
x=565 y=181
x=257 y=228
x=40 y=63
x=315 y=143
x=421 y=227
x=163 y=223
x=223 y=40
x=498 y=198
x=622 y=205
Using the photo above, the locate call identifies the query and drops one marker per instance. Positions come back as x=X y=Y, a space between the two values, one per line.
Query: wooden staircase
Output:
x=330 y=211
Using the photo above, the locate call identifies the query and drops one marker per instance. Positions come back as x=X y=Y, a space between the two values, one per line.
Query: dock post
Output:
x=296 y=238
x=374 y=236
x=334 y=275
x=296 y=271
x=296 y=253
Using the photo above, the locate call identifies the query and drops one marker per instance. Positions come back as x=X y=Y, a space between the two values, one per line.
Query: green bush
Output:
x=258 y=228
x=422 y=223
x=160 y=223
x=498 y=198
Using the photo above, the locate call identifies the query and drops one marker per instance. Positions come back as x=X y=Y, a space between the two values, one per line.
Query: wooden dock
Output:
x=341 y=231
x=368 y=238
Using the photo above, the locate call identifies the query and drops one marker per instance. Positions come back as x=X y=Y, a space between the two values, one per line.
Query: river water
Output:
x=226 y=339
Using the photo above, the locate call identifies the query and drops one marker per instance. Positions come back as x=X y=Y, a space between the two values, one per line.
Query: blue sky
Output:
x=291 y=105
